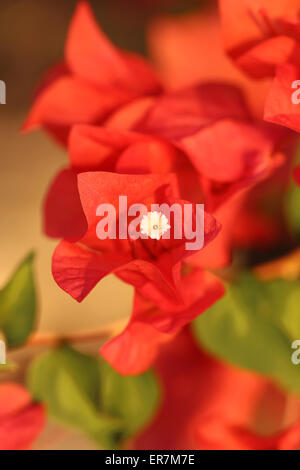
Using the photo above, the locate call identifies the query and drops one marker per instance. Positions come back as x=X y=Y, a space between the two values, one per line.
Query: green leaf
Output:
x=18 y=305
x=134 y=399
x=74 y=386
x=253 y=326
x=69 y=383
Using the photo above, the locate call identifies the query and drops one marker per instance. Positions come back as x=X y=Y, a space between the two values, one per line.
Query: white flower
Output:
x=154 y=224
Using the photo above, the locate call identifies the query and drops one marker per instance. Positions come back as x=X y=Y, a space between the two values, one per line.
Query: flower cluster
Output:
x=127 y=134
x=189 y=130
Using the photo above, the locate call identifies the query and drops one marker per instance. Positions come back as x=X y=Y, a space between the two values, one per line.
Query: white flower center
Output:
x=154 y=225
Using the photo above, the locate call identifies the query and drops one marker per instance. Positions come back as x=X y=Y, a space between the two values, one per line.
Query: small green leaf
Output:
x=253 y=326
x=85 y=393
x=69 y=383
x=134 y=399
x=18 y=304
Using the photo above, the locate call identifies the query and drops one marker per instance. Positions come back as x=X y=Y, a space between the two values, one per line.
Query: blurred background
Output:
x=32 y=35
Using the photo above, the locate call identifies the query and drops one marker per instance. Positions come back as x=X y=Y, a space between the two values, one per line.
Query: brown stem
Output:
x=53 y=339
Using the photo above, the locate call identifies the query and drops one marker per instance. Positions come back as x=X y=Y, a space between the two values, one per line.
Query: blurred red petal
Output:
x=70 y=100
x=13 y=397
x=228 y=151
x=20 y=420
x=179 y=47
x=134 y=350
x=18 y=432
x=265 y=35
x=217 y=389
x=279 y=107
x=97 y=148
x=91 y=56
x=261 y=61
x=179 y=114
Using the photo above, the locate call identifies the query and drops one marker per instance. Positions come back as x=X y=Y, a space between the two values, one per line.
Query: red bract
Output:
x=259 y=35
x=95 y=79
x=209 y=405
x=211 y=124
x=134 y=350
x=279 y=107
x=21 y=421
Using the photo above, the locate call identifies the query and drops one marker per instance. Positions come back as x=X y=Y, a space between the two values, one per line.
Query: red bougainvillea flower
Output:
x=134 y=350
x=266 y=34
x=223 y=410
x=203 y=134
x=95 y=79
x=21 y=421
x=178 y=46
x=152 y=266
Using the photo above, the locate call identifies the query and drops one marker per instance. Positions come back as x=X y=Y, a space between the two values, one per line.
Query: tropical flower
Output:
x=197 y=145
x=153 y=268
